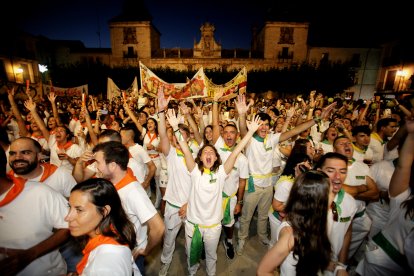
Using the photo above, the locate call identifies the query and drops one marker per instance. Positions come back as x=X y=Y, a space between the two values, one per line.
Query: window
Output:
x=130 y=36
x=286 y=35
x=325 y=57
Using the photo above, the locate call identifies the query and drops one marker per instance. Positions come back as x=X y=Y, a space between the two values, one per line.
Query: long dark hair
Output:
x=306 y=209
x=156 y=124
x=200 y=163
x=292 y=161
x=116 y=224
x=206 y=142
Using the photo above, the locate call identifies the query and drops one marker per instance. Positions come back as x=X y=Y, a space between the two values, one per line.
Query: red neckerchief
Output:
x=19 y=182
x=67 y=145
x=37 y=136
x=151 y=138
x=128 y=178
x=90 y=246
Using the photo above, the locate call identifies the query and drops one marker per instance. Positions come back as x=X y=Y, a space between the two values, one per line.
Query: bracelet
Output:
x=240 y=202
x=176 y=130
x=162 y=111
x=215 y=102
x=340 y=265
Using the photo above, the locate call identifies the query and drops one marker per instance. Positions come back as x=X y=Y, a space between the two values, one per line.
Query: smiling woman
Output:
x=96 y=213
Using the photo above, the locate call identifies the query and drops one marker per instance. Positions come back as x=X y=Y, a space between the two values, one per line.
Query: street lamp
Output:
x=43 y=69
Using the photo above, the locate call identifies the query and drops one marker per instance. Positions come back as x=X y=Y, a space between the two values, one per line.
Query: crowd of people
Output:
x=329 y=177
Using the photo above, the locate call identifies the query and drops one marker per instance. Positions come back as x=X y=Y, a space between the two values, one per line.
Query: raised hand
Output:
x=52 y=97
x=173 y=119
x=185 y=110
x=254 y=124
x=162 y=101
x=240 y=104
x=312 y=93
x=30 y=104
x=290 y=112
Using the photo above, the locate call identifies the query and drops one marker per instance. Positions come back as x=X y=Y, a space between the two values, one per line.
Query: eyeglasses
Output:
x=334 y=211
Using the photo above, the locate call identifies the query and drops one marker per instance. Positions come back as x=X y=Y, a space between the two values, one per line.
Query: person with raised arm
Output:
x=235 y=184
x=204 y=209
x=179 y=182
x=259 y=152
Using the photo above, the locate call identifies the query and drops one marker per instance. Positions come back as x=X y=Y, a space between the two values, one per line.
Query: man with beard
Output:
x=32 y=222
x=28 y=167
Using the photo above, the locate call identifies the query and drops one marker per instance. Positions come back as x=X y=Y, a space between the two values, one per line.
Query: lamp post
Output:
x=43 y=71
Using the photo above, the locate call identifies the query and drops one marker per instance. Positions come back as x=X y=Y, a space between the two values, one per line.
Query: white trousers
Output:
x=211 y=237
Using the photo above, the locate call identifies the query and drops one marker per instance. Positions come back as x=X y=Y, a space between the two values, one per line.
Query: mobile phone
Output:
x=104 y=111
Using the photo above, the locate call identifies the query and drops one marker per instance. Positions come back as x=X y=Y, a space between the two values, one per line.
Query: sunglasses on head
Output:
x=334 y=211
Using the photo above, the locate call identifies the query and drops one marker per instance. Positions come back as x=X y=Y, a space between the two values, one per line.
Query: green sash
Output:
x=196 y=246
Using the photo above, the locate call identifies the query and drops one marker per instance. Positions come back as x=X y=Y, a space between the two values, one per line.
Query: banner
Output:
x=113 y=91
x=232 y=88
x=193 y=88
x=68 y=92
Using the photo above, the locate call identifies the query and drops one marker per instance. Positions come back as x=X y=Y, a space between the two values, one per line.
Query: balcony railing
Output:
x=130 y=55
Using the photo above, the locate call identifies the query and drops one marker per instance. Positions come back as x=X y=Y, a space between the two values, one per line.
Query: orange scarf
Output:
x=65 y=146
x=37 y=137
x=128 y=178
x=91 y=245
x=19 y=183
x=151 y=138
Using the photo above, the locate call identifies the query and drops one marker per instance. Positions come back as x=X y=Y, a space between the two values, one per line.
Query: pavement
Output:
x=245 y=264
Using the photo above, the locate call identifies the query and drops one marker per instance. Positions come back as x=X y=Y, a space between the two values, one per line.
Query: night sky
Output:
x=179 y=21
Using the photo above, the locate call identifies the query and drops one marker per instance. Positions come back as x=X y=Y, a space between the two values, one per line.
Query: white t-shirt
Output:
x=74 y=151
x=205 y=200
x=377 y=147
x=109 y=260
x=139 y=208
x=61 y=181
x=179 y=180
x=141 y=156
x=260 y=157
x=337 y=229
x=240 y=168
x=357 y=174
x=29 y=219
